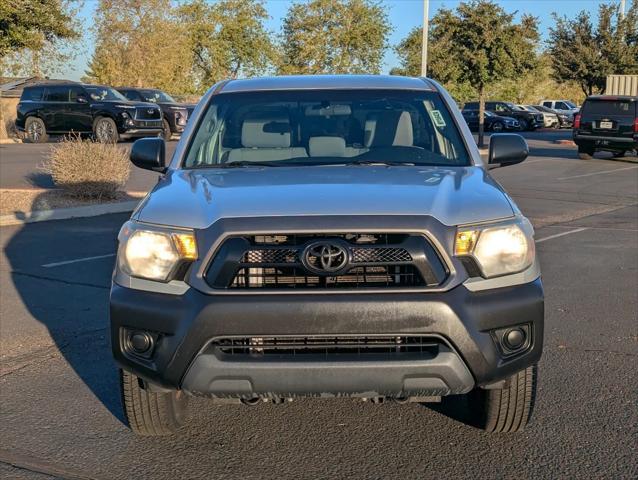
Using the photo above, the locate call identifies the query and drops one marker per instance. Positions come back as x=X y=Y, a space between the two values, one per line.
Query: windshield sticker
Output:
x=437 y=118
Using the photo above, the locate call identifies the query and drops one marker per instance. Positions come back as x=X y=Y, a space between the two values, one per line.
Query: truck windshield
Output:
x=326 y=127
x=157 y=96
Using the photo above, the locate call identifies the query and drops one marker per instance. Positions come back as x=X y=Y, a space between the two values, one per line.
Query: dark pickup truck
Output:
x=174 y=115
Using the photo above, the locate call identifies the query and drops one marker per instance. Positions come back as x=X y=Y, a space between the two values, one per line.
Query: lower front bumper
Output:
x=466 y=321
x=141 y=132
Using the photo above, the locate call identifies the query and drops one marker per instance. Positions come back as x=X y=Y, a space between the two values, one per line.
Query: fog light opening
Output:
x=141 y=343
x=514 y=338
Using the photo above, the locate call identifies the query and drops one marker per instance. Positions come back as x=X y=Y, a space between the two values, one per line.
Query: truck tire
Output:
x=151 y=413
x=35 y=130
x=508 y=409
x=585 y=153
x=105 y=130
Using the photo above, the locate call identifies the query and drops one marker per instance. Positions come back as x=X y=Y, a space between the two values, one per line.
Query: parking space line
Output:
x=77 y=260
x=604 y=172
x=562 y=234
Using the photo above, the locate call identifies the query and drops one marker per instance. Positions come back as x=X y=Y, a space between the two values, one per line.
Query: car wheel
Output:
x=585 y=153
x=508 y=409
x=497 y=127
x=36 y=131
x=166 y=130
x=105 y=130
x=620 y=153
x=151 y=413
x=523 y=124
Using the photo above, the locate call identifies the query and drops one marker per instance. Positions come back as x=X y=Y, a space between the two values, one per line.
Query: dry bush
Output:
x=88 y=169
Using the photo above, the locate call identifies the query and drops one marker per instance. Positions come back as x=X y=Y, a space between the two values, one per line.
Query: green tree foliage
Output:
x=473 y=47
x=138 y=44
x=226 y=39
x=586 y=54
x=32 y=23
x=334 y=36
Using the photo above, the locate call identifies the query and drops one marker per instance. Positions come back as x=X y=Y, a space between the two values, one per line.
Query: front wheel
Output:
x=508 y=409
x=523 y=124
x=151 y=413
x=497 y=127
x=105 y=130
x=166 y=130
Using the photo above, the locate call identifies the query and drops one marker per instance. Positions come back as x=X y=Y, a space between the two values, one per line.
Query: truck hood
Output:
x=198 y=198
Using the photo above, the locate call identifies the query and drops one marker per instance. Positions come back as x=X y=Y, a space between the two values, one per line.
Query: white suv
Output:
x=562 y=106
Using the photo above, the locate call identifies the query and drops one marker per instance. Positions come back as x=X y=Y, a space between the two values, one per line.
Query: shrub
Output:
x=88 y=169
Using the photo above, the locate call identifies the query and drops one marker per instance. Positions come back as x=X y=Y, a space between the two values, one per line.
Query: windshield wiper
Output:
x=381 y=162
x=244 y=163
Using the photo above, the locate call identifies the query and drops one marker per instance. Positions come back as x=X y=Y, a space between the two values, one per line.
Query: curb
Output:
x=20 y=218
x=565 y=142
x=9 y=141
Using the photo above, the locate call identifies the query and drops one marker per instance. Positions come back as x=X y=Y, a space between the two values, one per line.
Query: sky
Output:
x=403 y=14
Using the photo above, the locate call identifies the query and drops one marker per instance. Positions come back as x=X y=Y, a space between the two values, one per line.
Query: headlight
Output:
x=153 y=253
x=499 y=249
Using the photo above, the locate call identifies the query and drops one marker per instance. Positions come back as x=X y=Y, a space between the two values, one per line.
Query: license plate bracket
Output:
x=605 y=125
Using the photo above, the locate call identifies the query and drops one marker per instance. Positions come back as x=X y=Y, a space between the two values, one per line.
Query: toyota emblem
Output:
x=325 y=257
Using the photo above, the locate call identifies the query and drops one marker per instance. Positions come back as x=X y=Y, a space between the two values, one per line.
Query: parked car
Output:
x=550 y=119
x=562 y=106
x=65 y=107
x=606 y=123
x=564 y=120
x=492 y=122
x=327 y=236
x=175 y=115
x=527 y=120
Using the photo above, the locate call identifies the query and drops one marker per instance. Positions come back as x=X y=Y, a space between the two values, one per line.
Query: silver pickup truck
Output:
x=327 y=236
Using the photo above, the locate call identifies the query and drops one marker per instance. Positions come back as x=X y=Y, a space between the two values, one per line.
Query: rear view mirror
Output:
x=149 y=154
x=507 y=149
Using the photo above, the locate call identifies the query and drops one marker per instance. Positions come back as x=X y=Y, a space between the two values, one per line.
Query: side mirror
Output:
x=81 y=99
x=507 y=149
x=149 y=154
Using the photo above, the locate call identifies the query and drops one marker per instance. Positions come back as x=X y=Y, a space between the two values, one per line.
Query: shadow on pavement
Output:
x=40 y=180
x=71 y=300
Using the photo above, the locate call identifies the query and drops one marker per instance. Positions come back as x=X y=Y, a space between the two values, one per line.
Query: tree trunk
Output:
x=481 y=128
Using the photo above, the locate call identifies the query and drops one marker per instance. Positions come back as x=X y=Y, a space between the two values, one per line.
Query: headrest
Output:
x=386 y=129
x=265 y=133
x=327 y=147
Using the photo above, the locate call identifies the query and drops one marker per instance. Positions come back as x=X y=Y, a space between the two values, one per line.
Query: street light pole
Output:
x=424 y=41
x=622 y=8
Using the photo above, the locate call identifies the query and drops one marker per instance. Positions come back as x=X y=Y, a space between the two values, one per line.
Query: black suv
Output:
x=175 y=115
x=606 y=123
x=61 y=108
x=526 y=120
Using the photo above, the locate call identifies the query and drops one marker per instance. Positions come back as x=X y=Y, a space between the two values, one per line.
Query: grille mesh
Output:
x=326 y=345
x=380 y=255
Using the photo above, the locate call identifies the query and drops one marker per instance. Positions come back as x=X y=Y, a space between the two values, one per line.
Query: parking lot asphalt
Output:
x=60 y=412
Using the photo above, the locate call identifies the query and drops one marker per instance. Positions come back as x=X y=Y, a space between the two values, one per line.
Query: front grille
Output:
x=148 y=123
x=326 y=346
x=147 y=113
x=281 y=261
x=298 y=277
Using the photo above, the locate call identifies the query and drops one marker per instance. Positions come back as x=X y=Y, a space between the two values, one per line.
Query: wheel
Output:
x=508 y=409
x=620 y=153
x=585 y=153
x=523 y=124
x=497 y=127
x=105 y=130
x=151 y=413
x=36 y=130
x=166 y=130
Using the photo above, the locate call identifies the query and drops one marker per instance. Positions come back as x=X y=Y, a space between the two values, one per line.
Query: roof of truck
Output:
x=322 y=82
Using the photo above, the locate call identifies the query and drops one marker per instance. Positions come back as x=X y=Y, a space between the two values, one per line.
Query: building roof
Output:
x=312 y=82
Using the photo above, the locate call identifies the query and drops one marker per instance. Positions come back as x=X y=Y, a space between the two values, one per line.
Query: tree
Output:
x=586 y=53
x=138 y=43
x=472 y=48
x=334 y=36
x=226 y=39
x=32 y=23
